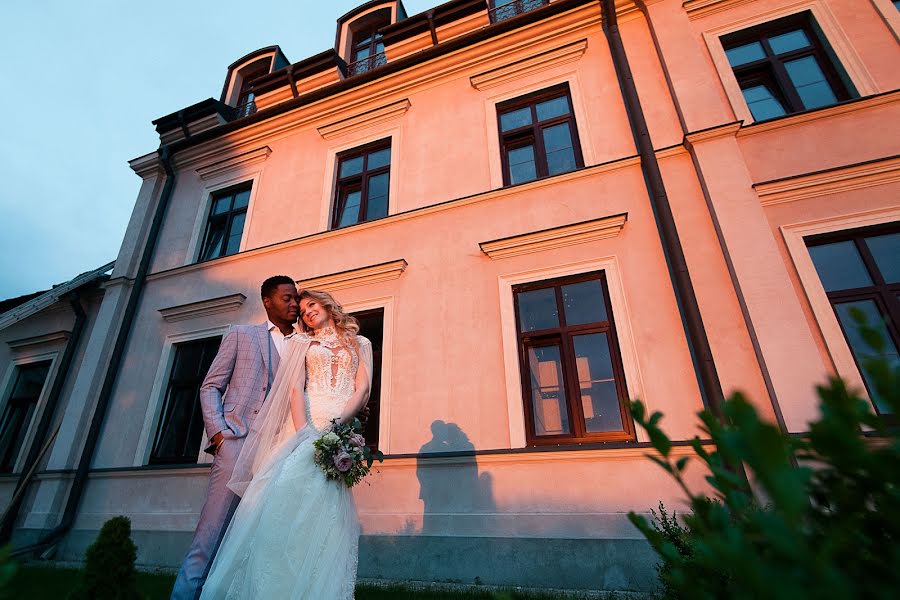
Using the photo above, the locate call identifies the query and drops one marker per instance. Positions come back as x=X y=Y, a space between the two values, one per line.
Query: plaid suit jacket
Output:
x=238 y=379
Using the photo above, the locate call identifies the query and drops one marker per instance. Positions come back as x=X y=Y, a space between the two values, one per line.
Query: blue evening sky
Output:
x=83 y=80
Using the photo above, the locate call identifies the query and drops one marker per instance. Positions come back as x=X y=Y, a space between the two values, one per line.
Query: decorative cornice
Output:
x=713 y=133
x=147 y=165
x=366 y=119
x=203 y=308
x=557 y=237
x=39 y=340
x=551 y=58
x=829 y=181
x=241 y=160
x=821 y=113
x=355 y=277
x=701 y=8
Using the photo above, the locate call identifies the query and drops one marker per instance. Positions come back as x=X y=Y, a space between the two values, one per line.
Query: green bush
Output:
x=109 y=572
x=821 y=518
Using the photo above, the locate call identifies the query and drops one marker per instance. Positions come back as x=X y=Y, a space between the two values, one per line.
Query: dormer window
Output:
x=359 y=41
x=238 y=91
x=245 y=105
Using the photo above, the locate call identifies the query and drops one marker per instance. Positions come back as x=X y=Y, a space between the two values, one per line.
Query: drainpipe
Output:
x=698 y=342
x=770 y=388
x=40 y=443
x=48 y=542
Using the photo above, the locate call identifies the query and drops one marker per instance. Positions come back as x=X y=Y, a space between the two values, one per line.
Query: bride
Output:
x=295 y=534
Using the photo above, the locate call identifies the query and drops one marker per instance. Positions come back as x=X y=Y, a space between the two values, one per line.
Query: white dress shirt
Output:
x=277 y=337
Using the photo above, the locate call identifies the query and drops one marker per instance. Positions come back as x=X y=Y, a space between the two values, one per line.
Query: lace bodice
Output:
x=330 y=379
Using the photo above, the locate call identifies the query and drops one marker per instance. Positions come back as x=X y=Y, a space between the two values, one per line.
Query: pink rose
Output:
x=357 y=440
x=343 y=462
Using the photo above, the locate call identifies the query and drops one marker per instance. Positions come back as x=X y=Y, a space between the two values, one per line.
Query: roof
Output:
x=42 y=300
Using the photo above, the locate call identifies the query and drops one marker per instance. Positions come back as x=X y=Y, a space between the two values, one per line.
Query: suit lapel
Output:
x=265 y=348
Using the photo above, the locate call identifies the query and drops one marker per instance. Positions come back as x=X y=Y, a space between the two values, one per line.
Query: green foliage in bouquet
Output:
x=828 y=528
x=342 y=453
x=109 y=572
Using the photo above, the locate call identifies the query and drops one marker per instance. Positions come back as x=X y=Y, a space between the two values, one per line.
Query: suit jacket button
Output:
x=263 y=389
x=255 y=412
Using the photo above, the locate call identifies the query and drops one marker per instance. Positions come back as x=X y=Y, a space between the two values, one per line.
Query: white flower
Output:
x=331 y=438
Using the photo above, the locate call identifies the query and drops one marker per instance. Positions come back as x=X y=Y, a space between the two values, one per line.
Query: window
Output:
x=366 y=47
x=371 y=325
x=572 y=375
x=362 y=186
x=225 y=226
x=180 y=428
x=538 y=136
x=245 y=104
x=860 y=270
x=500 y=10
x=783 y=67
x=20 y=406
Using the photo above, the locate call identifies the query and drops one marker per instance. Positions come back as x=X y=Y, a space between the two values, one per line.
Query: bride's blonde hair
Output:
x=346 y=326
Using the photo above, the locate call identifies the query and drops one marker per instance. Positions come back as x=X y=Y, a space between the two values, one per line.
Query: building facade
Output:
x=538 y=209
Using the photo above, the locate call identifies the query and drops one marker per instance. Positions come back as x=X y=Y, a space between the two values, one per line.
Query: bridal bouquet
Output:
x=343 y=455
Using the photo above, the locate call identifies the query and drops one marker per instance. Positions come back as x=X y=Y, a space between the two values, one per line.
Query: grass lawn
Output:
x=47 y=583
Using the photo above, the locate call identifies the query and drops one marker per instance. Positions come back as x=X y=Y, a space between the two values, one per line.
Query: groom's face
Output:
x=282 y=304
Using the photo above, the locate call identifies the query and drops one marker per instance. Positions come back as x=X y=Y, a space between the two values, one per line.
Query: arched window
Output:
x=366 y=47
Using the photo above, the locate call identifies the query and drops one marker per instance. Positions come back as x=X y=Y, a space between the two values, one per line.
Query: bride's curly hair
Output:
x=347 y=326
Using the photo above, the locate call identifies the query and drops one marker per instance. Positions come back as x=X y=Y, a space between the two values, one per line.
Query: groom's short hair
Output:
x=271 y=284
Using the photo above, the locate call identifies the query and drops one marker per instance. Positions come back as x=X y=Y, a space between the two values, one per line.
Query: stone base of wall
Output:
x=626 y=565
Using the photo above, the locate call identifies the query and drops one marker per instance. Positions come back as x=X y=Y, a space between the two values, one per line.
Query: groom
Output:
x=230 y=397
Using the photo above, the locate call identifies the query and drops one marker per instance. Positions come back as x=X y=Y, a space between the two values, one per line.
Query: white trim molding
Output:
x=158 y=391
x=364 y=120
x=224 y=166
x=39 y=340
x=514 y=399
x=387 y=354
x=830 y=181
x=828 y=24
x=203 y=308
x=557 y=237
x=355 y=277
x=794 y=238
x=535 y=64
x=40 y=405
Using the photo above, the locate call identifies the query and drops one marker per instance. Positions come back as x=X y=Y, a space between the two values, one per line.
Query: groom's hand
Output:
x=215 y=443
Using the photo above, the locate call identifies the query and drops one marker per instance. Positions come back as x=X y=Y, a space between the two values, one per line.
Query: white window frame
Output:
x=515 y=400
x=158 y=392
x=834 y=34
x=22 y=360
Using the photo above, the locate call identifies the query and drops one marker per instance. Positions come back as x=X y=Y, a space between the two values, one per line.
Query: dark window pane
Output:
x=353 y=166
x=515 y=119
x=20 y=407
x=241 y=199
x=221 y=205
x=745 y=54
x=558 y=145
x=762 y=103
x=810 y=82
x=552 y=108
x=361 y=53
x=584 y=302
x=30 y=381
x=548 y=395
x=537 y=310
x=596 y=383
x=350 y=215
x=234 y=237
x=785 y=42
x=886 y=250
x=371 y=325
x=214 y=238
x=521 y=165
x=379 y=158
x=840 y=266
x=376 y=205
x=861 y=350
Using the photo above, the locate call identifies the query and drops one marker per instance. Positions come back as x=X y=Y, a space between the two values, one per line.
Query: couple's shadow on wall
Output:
x=453 y=491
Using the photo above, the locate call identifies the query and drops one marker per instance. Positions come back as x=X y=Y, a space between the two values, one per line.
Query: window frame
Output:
x=562 y=336
x=772 y=66
x=165 y=405
x=886 y=296
x=515 y=138
x=34 y=405
x=228 y=218
x=374 y=421
x=360 y=181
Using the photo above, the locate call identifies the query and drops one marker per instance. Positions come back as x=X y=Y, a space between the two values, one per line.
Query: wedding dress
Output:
x=295 y=534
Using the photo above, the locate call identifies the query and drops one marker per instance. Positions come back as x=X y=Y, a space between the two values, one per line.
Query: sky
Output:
x=84 y=80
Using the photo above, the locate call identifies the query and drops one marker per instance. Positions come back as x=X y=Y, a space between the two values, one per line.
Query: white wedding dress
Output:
x=295 y=533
